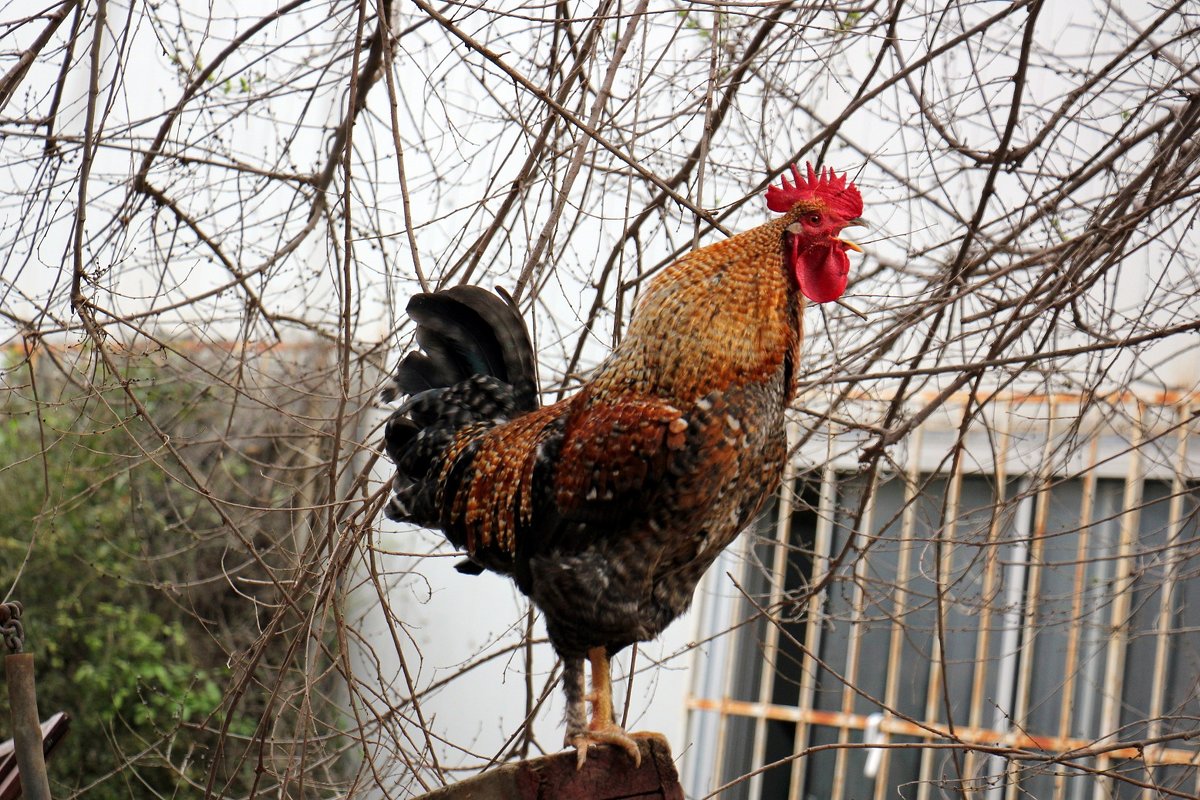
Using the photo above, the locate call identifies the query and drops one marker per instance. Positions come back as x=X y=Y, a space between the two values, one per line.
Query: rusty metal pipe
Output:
x=27 y=729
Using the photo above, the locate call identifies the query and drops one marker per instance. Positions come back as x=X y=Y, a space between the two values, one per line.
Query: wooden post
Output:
x=607 y=775
x=27 y=730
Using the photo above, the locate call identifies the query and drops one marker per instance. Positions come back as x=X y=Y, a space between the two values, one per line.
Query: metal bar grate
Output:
x=1059 y=573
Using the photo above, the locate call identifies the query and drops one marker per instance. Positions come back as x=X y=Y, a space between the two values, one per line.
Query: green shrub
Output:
x=94 y=540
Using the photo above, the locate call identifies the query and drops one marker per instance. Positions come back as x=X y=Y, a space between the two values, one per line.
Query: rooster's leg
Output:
x=602 y=729
x=573 y=687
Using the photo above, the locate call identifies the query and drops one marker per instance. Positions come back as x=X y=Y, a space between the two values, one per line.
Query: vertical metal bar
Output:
x=746 y=551
x=766 y=683
x=1114 y=664
x=991 y=574
x=705 y=726
x=1008 y=660
x=813 y=627
x=949 y=525
x=858 y=597
x=1032 y=576
x=896 y=636
x=1071 y=664
x=1166 y=595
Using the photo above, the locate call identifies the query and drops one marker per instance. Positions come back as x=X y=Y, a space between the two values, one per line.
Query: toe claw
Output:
x=635 y=752
x=614 y=736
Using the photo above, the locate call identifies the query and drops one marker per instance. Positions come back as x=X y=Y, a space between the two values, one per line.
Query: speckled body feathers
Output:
x=607 y=507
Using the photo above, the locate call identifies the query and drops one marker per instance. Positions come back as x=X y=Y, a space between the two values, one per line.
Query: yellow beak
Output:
x=856 y=222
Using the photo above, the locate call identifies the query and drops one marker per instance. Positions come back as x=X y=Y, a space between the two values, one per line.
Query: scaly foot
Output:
x=605 y=734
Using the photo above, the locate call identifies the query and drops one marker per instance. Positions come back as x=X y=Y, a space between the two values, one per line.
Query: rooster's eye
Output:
x=813 y=219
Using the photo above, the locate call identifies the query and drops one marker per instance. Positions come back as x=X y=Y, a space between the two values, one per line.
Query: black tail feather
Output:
x=419 y=373
x=469 y=331
x=477 y=368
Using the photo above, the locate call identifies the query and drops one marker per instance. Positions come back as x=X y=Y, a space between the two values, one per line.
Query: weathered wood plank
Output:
x=607 y=775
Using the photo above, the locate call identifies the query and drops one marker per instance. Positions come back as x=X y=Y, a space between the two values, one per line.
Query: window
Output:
x=1053 y=610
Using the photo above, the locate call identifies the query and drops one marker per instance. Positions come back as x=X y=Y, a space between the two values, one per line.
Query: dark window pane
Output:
x=818 y=783
x=797 y=579
x=739 y=747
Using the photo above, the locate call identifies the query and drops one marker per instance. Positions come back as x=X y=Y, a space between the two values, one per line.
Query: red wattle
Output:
x=821 y=272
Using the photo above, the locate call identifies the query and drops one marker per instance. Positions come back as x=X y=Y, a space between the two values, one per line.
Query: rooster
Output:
x=607 y=507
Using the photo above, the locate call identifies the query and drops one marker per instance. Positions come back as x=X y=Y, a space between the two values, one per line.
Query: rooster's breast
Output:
x=612 y=579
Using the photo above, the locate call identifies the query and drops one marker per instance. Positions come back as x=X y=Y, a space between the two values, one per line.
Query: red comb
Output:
x=826 y=185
